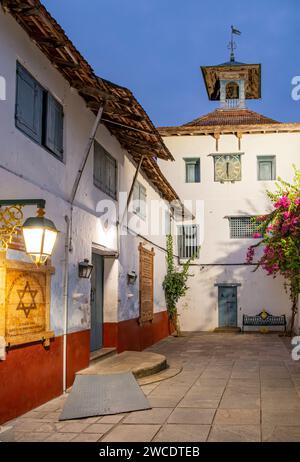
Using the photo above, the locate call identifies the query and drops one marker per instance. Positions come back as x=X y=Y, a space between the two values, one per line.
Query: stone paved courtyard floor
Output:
x=233 y=387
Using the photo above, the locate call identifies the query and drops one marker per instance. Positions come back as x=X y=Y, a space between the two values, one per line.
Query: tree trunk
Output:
x=294 y=312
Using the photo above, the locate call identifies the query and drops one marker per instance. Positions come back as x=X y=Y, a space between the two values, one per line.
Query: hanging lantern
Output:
x=39 y=236
x=85 y=269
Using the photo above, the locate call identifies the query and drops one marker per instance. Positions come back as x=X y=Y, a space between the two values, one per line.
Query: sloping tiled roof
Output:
x=228 y=122
x=123 y=115
x=222 y=117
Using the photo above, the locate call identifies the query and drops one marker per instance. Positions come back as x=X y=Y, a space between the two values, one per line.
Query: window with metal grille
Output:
x=38 y=114
x=188 y=241
x=242 y=227
x=105 y=171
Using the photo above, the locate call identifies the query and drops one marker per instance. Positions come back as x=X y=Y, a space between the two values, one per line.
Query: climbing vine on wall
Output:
x=175 y=282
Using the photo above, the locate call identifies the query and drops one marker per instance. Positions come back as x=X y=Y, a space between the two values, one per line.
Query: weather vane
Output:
x=232 y=44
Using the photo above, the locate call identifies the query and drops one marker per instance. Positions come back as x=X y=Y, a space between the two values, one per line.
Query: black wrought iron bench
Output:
x=264 y=319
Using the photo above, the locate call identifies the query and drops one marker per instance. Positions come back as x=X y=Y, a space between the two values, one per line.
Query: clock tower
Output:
x=232 y=82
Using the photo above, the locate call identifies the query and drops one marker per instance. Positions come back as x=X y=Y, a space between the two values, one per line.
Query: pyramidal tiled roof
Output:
x=221 y=117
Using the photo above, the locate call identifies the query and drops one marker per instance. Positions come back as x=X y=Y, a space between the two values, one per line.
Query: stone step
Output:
x=140 y=363
x=103 y=353
x=227 y=330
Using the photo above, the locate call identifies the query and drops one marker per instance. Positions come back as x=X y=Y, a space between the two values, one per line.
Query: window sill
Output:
x=61 y=159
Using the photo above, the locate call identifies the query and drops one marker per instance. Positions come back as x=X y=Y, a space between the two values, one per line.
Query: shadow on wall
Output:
x=256 y=290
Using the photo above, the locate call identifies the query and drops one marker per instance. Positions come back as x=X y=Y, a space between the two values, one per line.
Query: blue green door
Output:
x=227 y=299
x=97 y=302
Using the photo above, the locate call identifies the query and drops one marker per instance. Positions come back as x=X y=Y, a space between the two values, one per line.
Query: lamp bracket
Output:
x=40 y=203
x=11 y=217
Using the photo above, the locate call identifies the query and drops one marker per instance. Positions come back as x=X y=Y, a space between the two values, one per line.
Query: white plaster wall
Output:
x=27 y=170
x=129 y=254
x=199 y=307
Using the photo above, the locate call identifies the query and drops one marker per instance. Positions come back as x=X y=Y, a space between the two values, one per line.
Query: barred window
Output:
x=242 y=227
x=188 y=241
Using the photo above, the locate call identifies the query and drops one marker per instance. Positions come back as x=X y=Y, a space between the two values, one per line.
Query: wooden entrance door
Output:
x=227 y=306
x=97 y=302
x=146 y=284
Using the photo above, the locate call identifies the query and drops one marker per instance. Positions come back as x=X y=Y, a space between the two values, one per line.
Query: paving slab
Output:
x=183 y=433
x=192 y=416
x=153 y=416
x=235 y=433
x=131 y=433
x=279 y=433
x=237 y=417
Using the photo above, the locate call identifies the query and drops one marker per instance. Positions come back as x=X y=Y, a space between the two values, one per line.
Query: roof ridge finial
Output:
x=232 y=44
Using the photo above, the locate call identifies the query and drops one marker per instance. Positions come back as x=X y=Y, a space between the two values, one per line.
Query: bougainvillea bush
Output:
x=279 y=234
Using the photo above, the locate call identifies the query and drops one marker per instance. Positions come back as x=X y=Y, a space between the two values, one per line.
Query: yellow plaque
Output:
x=24 y=302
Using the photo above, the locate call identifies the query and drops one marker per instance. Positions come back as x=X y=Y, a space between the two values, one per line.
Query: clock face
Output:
x=227 y=168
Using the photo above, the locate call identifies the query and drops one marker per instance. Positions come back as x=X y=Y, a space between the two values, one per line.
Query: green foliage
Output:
x=280 y=237
x=175 y=282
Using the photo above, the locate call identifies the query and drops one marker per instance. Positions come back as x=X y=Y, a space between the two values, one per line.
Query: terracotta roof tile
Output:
x=230 y=117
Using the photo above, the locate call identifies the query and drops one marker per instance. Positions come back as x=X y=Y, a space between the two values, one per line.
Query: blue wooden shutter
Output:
x=111 y=176
x=29 y=105
x=54 y=126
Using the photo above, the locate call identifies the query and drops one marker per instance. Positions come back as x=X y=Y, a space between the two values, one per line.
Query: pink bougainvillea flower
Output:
x=284 y=202
x=256 y=235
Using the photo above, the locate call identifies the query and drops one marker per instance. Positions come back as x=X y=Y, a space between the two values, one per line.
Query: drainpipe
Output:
x=65 y=302
x=68 y=242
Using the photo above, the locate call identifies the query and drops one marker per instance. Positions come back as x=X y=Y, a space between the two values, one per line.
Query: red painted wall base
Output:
x=130 y=335
x=32 y=375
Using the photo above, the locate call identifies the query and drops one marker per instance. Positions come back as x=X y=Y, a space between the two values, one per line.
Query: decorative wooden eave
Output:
x=123 y=115
x=211 y=76
x=239 y=130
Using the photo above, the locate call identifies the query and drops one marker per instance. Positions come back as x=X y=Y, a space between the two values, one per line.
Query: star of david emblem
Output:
x=24 y=304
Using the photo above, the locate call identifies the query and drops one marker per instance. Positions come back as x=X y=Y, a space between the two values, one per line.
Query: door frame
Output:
x=228 y=284
x=103 y=269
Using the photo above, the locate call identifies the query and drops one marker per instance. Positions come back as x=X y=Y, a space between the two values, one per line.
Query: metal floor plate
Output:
x=94 y=395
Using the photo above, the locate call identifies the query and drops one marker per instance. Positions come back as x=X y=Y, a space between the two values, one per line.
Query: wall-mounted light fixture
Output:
x=131 y=277
x=85 y=269
x=39 y=232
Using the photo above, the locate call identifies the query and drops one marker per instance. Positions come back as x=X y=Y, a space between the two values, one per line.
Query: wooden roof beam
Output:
x=128 y=115
x=35 y=11
x=63 y=63
x=14 y=5
x=49 y=42
x=140 y=143
x=90 y=90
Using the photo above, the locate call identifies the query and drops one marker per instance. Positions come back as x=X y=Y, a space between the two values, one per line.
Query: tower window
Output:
x=266 y=168
x=192 y=170
x=232 y=90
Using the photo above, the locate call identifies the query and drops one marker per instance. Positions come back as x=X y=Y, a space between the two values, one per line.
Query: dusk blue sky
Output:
x=156 y=48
